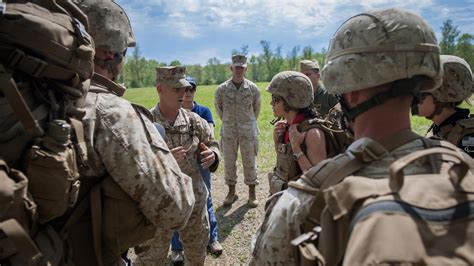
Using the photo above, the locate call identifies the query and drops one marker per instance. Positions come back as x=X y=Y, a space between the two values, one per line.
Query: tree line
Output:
x=140 y=72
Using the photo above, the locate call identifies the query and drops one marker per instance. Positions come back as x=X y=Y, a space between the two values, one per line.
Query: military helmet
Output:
x=379 y=47
x=457 y=80
x=294 y=87
x=109 y=25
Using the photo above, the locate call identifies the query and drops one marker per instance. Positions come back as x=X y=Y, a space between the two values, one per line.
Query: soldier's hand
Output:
x=296 y=137
x=179 y=153
x=280 y=128
x=207 y=156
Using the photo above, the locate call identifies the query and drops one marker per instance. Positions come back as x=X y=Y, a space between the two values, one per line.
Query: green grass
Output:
x=266 y=159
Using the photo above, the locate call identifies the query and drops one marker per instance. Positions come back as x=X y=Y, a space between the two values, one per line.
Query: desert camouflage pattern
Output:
x=366 y=66
x=239 y=60
x=238 y=108
x=457 y=80
x=110 y=25
x=286 y=212
x=294 y=87
x=173 y=76
x=306 y=65
x=118 y=146
x=188 y=130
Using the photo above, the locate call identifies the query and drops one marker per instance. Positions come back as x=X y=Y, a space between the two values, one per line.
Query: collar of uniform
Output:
x=451 y=120
x=245 y=83
x=179 y=121
x=319 y=90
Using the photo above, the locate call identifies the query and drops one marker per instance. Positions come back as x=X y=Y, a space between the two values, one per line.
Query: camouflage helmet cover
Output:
x=381 y=46
x=457 y=80
x=109 y=25
x=294 y=87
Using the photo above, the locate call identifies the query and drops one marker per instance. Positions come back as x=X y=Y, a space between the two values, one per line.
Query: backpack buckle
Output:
x=15 y=58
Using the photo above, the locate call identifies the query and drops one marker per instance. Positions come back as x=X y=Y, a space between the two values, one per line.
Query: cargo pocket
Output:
x=53 y=181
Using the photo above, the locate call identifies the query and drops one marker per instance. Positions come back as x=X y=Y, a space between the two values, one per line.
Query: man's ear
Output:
x=159 y=88
x=230 y=68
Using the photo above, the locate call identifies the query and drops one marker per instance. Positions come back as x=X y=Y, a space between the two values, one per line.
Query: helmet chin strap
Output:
x=398 y=88
x=111 y=65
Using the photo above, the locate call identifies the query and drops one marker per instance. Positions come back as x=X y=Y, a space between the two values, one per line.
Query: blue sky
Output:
x=192 y=31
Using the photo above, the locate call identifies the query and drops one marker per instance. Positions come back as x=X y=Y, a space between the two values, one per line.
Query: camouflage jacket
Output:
x=188 y=130
x=323 y=101
x=126 y=146
x=237 y=105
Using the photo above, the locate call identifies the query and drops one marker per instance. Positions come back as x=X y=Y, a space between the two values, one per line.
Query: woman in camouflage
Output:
x=450 y=122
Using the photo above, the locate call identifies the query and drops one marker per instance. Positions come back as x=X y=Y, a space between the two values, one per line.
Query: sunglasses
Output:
x=185 y=89
x=190 y=89
x=275 y=99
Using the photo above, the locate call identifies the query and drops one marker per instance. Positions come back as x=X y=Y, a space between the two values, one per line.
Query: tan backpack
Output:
x=46 y=57
x=423 y=219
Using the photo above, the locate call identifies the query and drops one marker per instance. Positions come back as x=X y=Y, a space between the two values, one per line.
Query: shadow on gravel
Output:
x=227 y=222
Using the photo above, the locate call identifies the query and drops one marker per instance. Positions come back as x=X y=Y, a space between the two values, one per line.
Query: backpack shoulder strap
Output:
x=107 y=83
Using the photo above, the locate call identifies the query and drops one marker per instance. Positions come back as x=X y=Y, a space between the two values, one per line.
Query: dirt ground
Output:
x=236 y=224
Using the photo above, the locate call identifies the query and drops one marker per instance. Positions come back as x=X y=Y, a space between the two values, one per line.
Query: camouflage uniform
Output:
x=457 y=86
x=117 y=147
x=323 y=101
x=238 y=108
x=125 y=145
x=188 y=130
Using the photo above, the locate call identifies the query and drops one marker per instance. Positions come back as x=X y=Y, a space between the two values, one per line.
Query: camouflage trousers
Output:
x=245 y=137
x=194 y=236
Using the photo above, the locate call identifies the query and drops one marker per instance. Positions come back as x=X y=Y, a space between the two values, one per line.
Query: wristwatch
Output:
x=297 y=155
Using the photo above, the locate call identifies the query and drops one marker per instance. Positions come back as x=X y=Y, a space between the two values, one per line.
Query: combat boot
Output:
x=253 y=202
x=231 y=197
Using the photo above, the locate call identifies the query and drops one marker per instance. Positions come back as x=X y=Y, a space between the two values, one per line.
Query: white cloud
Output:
x=306 y=21
x=192 y=18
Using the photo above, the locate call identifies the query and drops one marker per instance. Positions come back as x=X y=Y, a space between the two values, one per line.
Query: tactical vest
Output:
x=287 y=169
x=455 y=133
x=413 y=212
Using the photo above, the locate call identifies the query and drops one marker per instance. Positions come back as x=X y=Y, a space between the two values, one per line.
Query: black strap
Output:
x=460 y=211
